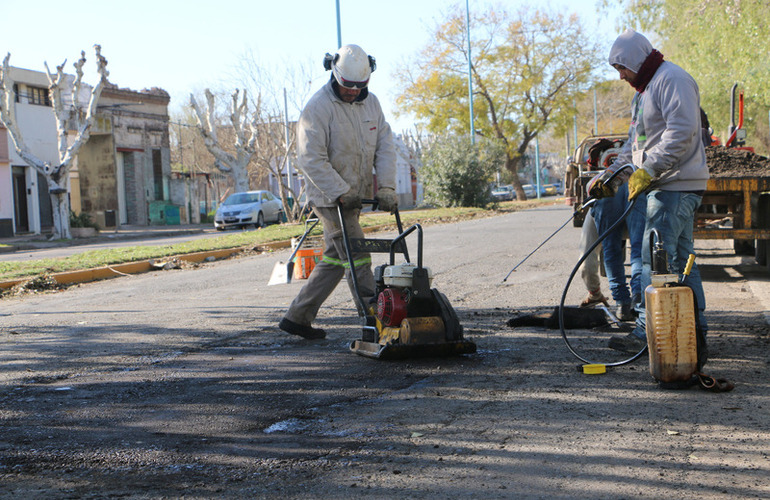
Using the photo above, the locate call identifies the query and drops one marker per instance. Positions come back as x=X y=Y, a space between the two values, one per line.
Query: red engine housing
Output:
x=391 y=307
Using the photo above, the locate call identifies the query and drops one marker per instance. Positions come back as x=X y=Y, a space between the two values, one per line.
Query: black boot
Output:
x=304 y=331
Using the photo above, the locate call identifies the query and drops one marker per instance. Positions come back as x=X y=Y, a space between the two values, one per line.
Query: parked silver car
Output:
x=248 y=208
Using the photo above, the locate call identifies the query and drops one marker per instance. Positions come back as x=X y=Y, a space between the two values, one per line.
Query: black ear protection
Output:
x=331 y=59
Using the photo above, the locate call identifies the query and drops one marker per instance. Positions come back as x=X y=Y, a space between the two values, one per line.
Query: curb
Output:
x=106 y=272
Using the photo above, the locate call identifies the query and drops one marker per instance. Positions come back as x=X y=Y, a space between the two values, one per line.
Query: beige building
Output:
x=122 y=173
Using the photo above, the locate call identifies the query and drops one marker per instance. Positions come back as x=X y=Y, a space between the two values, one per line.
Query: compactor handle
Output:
x=688 y=266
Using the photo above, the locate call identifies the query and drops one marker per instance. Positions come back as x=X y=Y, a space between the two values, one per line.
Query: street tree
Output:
x=72 y=114
x=603 y=110
x=526 y=69
x=282 y=95
x=243 y=124
x=710 y=39
x=190 y=157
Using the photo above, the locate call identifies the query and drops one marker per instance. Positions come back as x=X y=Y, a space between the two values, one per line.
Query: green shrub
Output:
x=456 y=173
x=82 y=219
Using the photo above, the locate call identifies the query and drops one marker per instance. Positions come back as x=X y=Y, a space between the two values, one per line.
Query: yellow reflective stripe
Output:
x=337 y=262
x=333 y=262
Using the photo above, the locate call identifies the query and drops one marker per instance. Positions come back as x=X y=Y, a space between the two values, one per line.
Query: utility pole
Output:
x=574 y=124
x=537 y=165
x=288 y=158
x=596 y=116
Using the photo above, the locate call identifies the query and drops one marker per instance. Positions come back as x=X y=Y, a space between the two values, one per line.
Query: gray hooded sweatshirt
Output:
x=338 y=145
x=665 y=132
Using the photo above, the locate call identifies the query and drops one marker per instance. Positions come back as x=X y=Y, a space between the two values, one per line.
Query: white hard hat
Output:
x=351 y=66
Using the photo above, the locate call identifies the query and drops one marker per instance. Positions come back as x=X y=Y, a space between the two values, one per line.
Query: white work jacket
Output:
x=340 y=143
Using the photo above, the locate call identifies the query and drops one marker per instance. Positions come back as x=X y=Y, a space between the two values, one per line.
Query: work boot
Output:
x=630 y=344
x=594 y=298
x=304 y=331
x=625 y=312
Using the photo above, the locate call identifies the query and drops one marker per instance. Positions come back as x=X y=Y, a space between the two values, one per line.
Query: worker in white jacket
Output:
x=342 y=136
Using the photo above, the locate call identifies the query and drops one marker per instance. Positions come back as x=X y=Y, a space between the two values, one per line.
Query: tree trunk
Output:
x=240 y=176
x=61 y=216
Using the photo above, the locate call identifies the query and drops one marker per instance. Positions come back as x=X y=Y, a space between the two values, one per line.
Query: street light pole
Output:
x=470 y=74
x=339 y=29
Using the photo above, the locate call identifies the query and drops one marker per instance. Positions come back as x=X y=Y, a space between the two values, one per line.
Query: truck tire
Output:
x=761 y=253
x=762 y=250
x=743 y=247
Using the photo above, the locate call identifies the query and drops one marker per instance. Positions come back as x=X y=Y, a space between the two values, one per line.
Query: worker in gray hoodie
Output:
x=342 y=136
x=668 y=161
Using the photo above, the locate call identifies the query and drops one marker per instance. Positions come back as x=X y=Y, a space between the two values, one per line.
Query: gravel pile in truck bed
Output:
x=730 y=162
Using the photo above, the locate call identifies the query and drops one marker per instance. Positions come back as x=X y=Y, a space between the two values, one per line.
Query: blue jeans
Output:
x=606 y=212
x=672 y=214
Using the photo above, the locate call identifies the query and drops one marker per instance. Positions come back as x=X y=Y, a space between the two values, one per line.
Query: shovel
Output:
x=282 y=272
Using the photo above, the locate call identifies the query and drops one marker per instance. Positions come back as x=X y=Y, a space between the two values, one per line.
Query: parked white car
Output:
x=248 y=208
x=503 y=193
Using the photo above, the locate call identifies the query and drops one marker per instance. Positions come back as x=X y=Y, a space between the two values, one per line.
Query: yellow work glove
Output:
x=638 y=183
x=387 y=199
x=596 y=188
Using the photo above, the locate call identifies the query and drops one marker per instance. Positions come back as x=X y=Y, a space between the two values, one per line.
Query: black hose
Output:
x=601 y=238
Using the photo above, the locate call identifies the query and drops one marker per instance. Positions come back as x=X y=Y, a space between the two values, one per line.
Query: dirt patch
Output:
x=730 y=162
x=38 y=284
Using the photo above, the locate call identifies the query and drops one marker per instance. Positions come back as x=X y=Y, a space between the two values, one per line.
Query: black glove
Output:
x=387 y=199
x=596 y=188
x=350 y=200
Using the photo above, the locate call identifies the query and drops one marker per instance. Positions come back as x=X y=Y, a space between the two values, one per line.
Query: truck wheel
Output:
x=762 y=252
x=743 y=247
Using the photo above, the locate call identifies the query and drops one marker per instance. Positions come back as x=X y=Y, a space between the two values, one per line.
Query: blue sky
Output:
x=185 y=46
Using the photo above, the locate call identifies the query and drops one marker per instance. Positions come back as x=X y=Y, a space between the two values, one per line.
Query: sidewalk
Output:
x=124 y=232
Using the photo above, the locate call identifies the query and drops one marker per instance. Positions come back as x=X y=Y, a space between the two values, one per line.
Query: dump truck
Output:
x=736 y=204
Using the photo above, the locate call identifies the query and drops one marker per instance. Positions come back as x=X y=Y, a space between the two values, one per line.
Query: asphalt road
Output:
x=178 y=383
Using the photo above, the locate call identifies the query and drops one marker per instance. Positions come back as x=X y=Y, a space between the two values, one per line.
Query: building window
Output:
x=39 y=96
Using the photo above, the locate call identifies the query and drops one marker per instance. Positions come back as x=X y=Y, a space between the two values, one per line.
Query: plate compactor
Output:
x=406 y=318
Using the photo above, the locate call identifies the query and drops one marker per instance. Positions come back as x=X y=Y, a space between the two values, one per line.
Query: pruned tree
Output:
x=275 y=155
x=526 y=69
x=74 y=115
x=244 y=127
